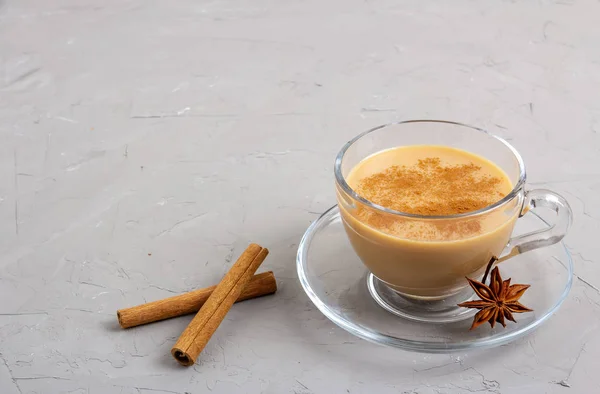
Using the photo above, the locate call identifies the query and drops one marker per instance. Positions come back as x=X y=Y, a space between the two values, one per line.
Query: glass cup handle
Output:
x=546 y=237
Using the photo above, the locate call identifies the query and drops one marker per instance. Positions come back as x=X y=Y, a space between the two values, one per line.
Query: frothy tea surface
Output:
x=428 y=180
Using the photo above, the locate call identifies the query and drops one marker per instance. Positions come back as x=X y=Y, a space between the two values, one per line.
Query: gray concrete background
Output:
x=143 y=144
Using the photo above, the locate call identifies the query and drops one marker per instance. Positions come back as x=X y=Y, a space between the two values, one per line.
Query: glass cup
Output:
x=433 y=267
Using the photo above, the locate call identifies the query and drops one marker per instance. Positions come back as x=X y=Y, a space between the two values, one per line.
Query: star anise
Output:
x=498 y=301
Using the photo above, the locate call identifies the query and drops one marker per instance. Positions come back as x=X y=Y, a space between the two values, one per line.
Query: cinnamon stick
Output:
x=197 y=334
x=260 y=285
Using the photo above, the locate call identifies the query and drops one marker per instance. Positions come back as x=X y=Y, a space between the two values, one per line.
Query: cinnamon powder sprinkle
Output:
x=430 y=188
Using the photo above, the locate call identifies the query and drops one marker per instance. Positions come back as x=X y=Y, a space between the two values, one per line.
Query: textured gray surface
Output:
x=144 y=143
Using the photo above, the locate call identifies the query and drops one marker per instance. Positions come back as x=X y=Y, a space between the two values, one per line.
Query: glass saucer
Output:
x=342 y=288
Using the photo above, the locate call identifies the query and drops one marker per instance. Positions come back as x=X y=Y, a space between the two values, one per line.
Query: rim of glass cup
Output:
x=341 y=180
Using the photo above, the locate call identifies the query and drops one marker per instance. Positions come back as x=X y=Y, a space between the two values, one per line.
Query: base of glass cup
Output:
x=440 y=310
